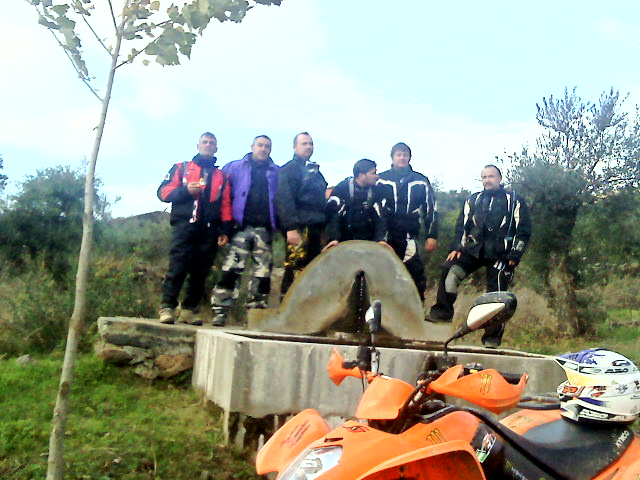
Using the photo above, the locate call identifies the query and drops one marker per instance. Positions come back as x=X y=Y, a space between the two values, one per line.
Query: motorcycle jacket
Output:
x=493 y=224
x=300 y=196
x=408 y=198
x=211 y=206
x=353 y=213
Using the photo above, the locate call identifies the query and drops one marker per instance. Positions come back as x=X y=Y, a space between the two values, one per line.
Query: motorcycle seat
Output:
x=570 y=451
x=576 y=451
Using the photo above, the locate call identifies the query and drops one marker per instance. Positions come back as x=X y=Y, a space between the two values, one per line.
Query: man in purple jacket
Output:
x=253 y=181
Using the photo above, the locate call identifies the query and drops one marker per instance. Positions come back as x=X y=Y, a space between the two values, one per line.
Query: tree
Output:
x=164 y=35
x=587 y=151
x=3 y=178
x=45 y=218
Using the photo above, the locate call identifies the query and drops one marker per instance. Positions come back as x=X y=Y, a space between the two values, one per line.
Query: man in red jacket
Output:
x=200 y=219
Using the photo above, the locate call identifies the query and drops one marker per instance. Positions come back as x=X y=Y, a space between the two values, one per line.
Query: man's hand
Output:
x=430 y=244
x=223 y=240
x=513 y=263
x=293 y=237
x=332 y=243
x=453 y=255
x=382 y=242
x=194 y=188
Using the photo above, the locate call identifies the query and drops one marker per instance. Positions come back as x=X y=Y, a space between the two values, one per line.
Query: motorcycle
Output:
x=404 y=431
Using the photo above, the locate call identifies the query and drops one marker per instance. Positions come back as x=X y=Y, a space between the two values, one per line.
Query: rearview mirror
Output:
x=490 y=309
x=374 y=317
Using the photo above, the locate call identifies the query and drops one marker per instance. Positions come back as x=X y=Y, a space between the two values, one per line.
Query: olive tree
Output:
x=140 y=28
x=587 y=151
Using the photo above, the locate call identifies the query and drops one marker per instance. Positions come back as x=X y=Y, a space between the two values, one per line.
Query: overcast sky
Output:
x=457 y=81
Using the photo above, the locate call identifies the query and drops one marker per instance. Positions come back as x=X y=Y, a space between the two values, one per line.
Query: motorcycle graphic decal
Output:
x=488 y=442
x=436 y=436
x=485 y=383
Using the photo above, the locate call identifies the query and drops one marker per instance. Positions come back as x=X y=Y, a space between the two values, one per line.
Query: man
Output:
x=407 y=199
x=300 y=201
x=492 y=231
x=353 y=210
x=200 y=218
x=253 y=181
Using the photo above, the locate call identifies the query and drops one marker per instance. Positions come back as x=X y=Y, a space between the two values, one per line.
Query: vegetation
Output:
x=121 y=428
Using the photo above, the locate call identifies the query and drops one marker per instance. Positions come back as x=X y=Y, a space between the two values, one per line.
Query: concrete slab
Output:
x=265 y=376
x=320 y=296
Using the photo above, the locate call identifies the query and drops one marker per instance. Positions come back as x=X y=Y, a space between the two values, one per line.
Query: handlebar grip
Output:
x=512 y=378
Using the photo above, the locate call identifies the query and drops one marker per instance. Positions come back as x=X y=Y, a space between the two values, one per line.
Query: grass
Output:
x=120 y=427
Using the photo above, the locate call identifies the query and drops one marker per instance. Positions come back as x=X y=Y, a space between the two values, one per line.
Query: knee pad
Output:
x=454 y=277
x=263 y=286
x=228 y=280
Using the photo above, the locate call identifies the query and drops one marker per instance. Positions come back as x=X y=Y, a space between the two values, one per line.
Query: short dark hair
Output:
x=260 y=136
x=363 y=166
x=400 y=147
x=491 y=165
x=295 y=139
x=207 y=134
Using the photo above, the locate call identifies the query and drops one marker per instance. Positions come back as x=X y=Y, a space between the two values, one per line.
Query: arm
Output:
x=285 y=199
x=522 y=227
x=430 y=215
x=171 y=189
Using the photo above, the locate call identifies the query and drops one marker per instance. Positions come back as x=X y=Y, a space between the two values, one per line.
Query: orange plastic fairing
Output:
x=486 y=388
x=337 y=372
x=383 y=398
x=287 y=443
x=454 y=460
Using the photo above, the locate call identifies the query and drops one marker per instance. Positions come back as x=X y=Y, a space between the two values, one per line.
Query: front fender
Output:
x=287 y=443
x=453 y=460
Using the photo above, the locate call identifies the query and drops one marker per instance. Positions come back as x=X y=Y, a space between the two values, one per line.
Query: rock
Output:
x=25 y=360
x=154 y=349
x=172 y=365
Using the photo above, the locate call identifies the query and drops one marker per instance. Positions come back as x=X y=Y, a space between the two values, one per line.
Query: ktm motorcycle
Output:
x=405 y=431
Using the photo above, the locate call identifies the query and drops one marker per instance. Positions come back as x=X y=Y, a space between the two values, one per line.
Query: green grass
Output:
x=120 y=427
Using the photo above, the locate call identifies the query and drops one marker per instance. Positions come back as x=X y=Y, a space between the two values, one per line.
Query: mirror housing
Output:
x=491 y=309
x=373 y=317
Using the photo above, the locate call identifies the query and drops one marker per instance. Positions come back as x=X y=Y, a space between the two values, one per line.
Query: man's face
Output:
x=490 y=178
x=370 y=178
x=207 y=146
x=261 y=149
x=304 y=147
x=400 y=158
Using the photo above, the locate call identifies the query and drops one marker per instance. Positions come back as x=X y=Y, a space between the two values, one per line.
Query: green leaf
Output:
x=61 y=10
x=47 y=23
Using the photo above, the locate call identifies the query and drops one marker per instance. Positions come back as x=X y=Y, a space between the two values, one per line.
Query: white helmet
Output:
x=602 y=386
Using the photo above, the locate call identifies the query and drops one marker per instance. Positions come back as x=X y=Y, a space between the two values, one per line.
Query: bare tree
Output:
x=153 y=32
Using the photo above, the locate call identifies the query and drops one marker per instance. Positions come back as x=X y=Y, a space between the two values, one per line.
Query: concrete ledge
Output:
x=260 y=376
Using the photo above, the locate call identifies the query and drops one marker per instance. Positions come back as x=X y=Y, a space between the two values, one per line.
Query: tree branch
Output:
x=81 y=75
x=113 y=17
x=95 y=34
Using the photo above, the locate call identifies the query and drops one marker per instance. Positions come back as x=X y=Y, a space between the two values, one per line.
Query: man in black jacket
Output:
x=492 y=231
x=353 y=210
x=408 y=198
x=300 y=203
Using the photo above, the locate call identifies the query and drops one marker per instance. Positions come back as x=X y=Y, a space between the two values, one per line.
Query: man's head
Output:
x=207 y=145
x=261 y=148
x=364 y=172
x=303 y=145
x=491 y=177
x=400 y=155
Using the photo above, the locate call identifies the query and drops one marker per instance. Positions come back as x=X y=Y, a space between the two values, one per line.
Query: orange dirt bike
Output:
x=409 y=432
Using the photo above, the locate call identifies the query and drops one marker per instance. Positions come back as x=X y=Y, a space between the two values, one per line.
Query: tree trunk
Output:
x=562 y=287
x=55 y=468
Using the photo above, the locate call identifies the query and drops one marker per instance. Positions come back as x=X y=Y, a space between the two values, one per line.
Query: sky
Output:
x=457 y=81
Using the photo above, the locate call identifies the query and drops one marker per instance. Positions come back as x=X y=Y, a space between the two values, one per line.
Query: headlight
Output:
x=312 y=463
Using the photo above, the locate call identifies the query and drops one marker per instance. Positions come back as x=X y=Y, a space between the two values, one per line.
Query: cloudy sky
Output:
x=457 y=81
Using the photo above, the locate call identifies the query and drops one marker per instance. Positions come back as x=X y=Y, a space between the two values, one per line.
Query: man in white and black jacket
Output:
x=492 y=231
x=408 y=198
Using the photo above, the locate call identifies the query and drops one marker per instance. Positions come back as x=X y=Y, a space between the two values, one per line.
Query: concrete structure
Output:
x=259 y=379
x=322 y=296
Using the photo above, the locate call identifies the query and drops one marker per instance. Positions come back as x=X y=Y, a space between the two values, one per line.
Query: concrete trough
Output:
x=259 y=379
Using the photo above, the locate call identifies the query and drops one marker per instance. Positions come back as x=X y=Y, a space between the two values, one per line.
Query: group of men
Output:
x=248 y=200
